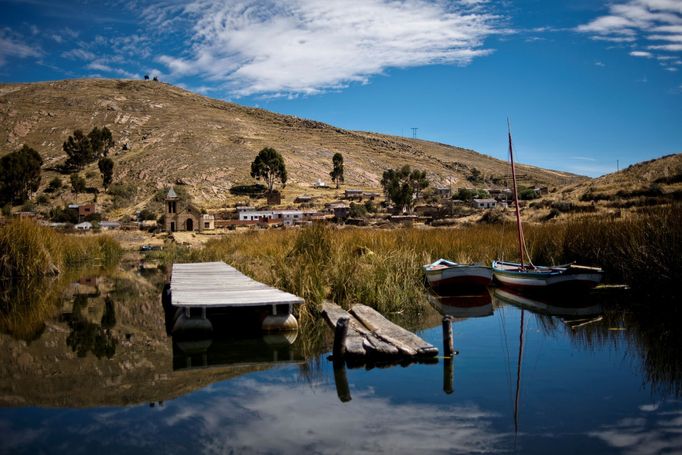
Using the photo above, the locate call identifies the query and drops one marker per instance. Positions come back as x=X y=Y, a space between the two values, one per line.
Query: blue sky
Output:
x=585 y=83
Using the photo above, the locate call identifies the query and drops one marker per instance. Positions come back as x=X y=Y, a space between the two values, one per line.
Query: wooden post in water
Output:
x=448 y=375
x=341 y=381
x=339 y=352
x=448 y=348
x=340 y=333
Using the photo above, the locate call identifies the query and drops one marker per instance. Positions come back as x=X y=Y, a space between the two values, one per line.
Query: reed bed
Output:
x=28 y=250
x=382 y=268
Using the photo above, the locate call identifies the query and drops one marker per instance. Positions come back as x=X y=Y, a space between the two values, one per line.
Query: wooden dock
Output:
x=369 y=334
x=209 y=285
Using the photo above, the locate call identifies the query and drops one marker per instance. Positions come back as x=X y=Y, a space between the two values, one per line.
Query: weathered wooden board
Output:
x=354 y=340
x=363 y=340
x=216 y=284
x=407 y=342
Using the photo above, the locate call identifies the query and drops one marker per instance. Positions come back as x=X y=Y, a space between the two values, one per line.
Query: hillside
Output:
x=646 y=183
x=166 y=134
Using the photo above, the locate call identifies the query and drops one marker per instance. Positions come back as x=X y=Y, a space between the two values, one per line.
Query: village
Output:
x=353 y=207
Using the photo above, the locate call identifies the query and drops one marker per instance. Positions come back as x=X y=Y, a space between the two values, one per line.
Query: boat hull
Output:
x=459 y=275
x=559 y=279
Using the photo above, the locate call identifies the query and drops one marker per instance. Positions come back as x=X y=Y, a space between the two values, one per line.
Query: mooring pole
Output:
x=341 y=381
x=340 y=333
x=448 y=375
x=448 y=348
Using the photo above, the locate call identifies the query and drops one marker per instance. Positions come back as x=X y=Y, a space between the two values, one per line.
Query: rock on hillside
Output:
x=164 y=133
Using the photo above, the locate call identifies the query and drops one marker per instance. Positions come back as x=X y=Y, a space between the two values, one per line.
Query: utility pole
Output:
x=617 y=165
x=414 y=133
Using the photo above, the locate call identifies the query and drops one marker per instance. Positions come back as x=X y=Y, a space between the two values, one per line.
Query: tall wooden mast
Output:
x=519 y=226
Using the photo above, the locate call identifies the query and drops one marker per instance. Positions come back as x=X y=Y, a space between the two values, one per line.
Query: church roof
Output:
x=171 y=193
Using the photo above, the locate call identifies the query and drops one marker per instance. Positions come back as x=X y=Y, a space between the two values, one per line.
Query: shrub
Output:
x=54 y=185
x=123 y=194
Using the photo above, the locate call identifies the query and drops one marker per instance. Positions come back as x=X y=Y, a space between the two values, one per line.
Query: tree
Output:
x=82 y=149
x=419 y=182
x=269 y=165
x=101 y=141
x=106 y=168
x=77 y=183
x=78 y=149
x=403 y=186
x=19 y=175
x=337 y=172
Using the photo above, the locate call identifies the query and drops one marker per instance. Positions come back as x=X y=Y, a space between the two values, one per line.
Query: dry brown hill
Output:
x=653 y=178
x=164 y=134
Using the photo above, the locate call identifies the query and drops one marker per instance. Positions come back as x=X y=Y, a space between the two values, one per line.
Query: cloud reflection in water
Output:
x=271 y=416
x=656 y=430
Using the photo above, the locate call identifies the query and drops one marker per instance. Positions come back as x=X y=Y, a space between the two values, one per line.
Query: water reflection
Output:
x=461 y=306
x=551 y=305
x=256 y=349
x=601 y=374
x=274 y=414
x=87 y=336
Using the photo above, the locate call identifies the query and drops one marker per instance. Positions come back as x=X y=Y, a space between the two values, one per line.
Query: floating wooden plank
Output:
x=359 y=340
x=362 y=340
x=406 y=341
x=216 y=284
x=354 y=339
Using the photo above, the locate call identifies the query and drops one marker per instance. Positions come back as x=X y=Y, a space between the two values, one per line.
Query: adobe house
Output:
x=188 y=219
x=484 y=203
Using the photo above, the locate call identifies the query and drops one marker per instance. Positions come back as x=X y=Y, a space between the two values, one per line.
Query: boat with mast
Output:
x=524 y=275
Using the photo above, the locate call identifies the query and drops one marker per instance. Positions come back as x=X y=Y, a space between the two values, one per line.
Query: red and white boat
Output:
x=444 y=273
x=568 y=277
x=527 y=276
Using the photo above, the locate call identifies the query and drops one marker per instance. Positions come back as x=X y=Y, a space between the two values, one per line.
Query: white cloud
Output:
x=307 y=46
x=10 y=46
x=79 y=54
x=667 y=47
x=636 y=21
x=98 y=66
x=641 y=54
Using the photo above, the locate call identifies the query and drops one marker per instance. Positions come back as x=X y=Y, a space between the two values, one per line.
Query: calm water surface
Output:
x=603 y=381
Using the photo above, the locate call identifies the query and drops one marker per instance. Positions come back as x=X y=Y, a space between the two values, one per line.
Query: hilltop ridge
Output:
x=165 y=134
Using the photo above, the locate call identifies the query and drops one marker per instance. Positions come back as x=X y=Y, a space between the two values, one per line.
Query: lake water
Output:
x=99 y=375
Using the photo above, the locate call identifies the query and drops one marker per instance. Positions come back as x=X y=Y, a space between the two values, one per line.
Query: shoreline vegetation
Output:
x=382 y=268
x=36 y=265
x=29 y=250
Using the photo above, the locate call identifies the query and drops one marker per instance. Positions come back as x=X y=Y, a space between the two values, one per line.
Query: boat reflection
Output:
x=462 y=306
x=551 y=305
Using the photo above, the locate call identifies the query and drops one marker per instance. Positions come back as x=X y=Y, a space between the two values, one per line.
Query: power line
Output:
x=414 y=133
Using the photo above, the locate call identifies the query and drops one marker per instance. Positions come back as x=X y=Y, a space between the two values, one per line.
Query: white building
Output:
x=286 y=217
x=485 y=203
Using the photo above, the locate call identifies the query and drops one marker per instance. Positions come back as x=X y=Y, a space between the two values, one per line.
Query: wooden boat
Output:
x=445 y=273
x=526 y=275
x=569 y=277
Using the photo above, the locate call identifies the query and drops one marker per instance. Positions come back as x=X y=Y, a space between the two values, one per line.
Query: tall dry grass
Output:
x=28 y=249
x=382 y=268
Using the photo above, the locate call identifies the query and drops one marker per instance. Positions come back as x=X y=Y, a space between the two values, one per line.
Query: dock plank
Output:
x=381 y=338
x=216 y=284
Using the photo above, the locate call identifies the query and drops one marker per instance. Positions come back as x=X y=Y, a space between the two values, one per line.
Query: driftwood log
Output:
x=371 y=334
